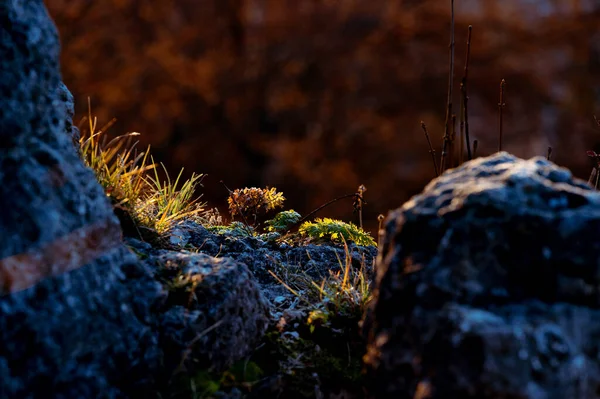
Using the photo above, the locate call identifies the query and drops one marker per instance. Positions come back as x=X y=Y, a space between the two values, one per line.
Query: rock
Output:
x=487 y=286
x=261 y=256
x=178 y=237
x=69 y=104
x=215 y=312
x=76 y=307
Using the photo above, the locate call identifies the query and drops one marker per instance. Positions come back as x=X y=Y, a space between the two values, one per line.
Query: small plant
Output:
x=335 y=230
x=118 y=167
x=166 y=205
x=347 y=293
x=252 y=201
x=328 y=341
x=235 y=229
x=282 y=221
x=123 y=173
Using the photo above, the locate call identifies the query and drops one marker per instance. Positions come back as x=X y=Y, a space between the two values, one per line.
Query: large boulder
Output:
x=76 y=306
x=488 y=286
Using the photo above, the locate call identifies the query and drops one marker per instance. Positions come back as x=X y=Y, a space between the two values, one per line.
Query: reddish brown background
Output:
x=318 y=96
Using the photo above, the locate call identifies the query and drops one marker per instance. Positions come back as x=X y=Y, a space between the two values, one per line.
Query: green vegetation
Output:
x=165 y=205
x=117 y=165
x=345 y=293
x=325 y=343
x=123 y=173
x=251 y=203
x=283 y=220
x=323 y=346
x=204 y=384
x=335 y=231
x=235 y=229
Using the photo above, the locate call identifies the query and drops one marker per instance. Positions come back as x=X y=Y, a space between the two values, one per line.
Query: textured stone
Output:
x=215 y=313
x=488 y=286
x=69 y=103
x=76 y=308
x=261 y=256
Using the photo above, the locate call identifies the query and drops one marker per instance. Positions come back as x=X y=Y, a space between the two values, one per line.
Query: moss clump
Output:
x=336 y=231
x=235 y=229
x=282 y=221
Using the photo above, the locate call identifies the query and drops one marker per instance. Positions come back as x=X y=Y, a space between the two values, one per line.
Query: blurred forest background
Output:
x=316 y=97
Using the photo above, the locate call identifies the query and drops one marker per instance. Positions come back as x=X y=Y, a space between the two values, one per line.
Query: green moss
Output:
x=139 y=254
x=203 y=384
x=282 y=221
x=335 y=231
x=235 y=229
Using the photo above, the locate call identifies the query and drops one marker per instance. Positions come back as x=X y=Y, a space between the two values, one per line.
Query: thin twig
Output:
x=465 y=96
x=549 y=153
x=501 y=106
x=451 y=160
x=431 y=150
x=595 y=175
x=358 y=204
x=380 y=231
x=461 y=134
x=475 y=144
x=450 y=86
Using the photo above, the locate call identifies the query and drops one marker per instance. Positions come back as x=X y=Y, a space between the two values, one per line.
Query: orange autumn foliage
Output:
x=318 y=96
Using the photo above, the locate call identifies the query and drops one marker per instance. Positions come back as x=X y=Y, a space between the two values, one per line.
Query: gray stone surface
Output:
x=69 y=103
x=75 y=306
x=215 y=313
x=488 y=286
x=261 y=256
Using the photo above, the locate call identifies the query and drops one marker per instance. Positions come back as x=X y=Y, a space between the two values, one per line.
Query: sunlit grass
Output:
x=166 y=205
x=118 y=167
x=345 y=292
x=124 y=175
x=348 y=290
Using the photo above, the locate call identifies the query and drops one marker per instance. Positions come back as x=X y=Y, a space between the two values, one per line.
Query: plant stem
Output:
x=475 y=144
x=359 y=203
x=380 y=231
x=450 y=86
x=549 y=153
x=501 y=105
x=465 y=96
x=431 y=150
x=461 y=134
x=451 y=160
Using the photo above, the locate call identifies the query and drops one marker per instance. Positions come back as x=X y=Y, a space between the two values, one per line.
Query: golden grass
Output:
x=124 y=175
